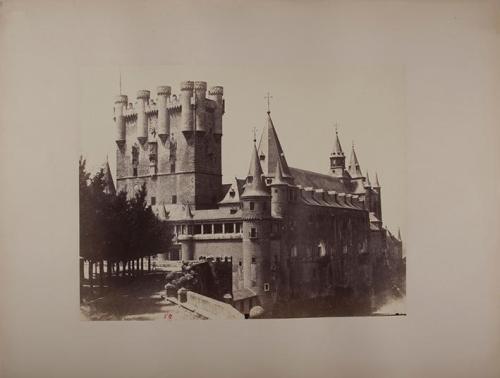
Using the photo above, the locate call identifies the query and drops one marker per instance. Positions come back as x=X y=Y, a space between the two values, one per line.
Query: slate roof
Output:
x=270 y=150
x=178 y=213
x=257 y=187
x=318 y=180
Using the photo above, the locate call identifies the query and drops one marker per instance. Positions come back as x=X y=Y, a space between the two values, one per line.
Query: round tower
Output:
x=200 y=92
x=163 y=117
x=256 y=216
x=215 y=94
x=279 y=193
x=187 y=126
x=120 y=103
x=142 y=119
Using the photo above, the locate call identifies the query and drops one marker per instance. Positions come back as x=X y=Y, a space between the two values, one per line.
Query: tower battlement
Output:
x=171 y=142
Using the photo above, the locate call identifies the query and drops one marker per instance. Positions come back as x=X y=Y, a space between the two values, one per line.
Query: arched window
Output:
x=293 y=251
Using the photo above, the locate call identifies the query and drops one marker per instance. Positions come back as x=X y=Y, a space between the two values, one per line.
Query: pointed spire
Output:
x=270 y=150
x=376 y=185
x=399 y=234
x=367 y=181
x=354 y=168
x=278 y=175
x=108 y=179
x=254 y=185
x=337 y=148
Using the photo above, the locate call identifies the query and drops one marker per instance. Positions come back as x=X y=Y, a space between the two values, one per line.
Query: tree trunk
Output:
x=91 y=269
x=110 y=269
x=101 y=273
x=82 y=273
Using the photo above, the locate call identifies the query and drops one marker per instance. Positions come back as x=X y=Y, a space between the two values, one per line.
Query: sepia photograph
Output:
x=167 y=233
x=265 y=188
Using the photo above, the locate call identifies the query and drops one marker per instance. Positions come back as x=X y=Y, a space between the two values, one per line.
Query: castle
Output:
x=292 y=234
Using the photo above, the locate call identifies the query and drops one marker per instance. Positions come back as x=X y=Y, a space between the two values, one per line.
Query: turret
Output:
x=357 y=178
x=215 y=94
x=354 y=168
x=163 y=117
x=367 y=183
x=256 y=216
x=142 y=120
x=337 y=157
x=378 y=197
x=120 y=104
x=279 y=193
x=200 y=92
x=187 y=125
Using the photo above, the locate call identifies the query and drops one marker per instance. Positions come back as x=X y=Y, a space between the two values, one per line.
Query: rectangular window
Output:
x=253 y=232
x=229 y=228
x=172 y=168
x=252 y=205
x=238 y=228
x=153 y=201
x=267 y=287
x=218 y=228
x=135 y=171
x=174 y=199
x=207 y=228
x=197 y=229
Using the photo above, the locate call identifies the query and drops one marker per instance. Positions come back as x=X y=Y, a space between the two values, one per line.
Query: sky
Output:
x=326 y=63
x=414 y=83
x=366 y=101
x=349 y=63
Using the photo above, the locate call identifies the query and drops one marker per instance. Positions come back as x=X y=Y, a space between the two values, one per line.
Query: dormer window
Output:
x=232 y=193
x=262 y=157
x=252 y=205
x=249 y=179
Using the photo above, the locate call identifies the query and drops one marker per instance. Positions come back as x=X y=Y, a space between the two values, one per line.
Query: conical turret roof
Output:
x=367 y=181
x=278 y=175
x=337 y=147
x=108 y=179
x=354 y=168
x=270 y=150
x=255 y=186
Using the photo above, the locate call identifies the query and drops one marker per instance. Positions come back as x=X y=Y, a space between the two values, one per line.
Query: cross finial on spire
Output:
x=336 y=128
x=268 y=97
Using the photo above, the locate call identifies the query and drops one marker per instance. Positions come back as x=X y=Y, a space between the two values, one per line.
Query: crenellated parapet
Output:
x=192 y=104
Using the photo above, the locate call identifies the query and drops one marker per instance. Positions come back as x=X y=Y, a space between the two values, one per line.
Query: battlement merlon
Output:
x=163 y=118
x=191 y=93
x=215 y=94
